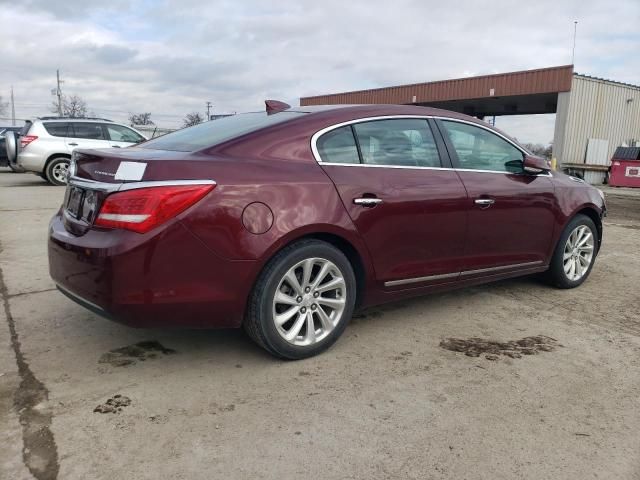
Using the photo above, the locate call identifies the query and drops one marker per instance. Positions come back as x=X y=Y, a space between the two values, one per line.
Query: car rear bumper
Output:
x=166 y=278
x=31 y=161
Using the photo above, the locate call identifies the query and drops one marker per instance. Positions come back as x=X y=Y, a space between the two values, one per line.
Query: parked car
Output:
x=284 y=222
x=4 y=159
x=45 y=145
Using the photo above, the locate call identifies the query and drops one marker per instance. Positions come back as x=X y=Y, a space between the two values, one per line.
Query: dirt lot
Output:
x=539 y=384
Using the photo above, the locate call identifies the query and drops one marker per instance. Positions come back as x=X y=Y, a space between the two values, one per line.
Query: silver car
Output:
x=44 y=145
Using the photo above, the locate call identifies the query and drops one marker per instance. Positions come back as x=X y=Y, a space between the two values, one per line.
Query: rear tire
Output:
x=15 y=168
x=302 y=301
x=575 y=253
x=56 y=171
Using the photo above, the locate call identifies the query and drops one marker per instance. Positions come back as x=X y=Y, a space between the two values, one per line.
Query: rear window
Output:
x=26 y=127
x=57 y=129
x=214 y=132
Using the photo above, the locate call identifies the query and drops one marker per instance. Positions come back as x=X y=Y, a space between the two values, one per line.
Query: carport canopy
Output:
x=514 y=93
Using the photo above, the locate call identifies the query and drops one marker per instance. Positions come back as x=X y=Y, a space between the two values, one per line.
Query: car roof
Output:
x=334 y=114
x=73 y=119
x=381 y=110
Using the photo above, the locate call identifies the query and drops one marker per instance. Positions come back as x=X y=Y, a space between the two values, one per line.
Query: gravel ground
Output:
x=537 y=383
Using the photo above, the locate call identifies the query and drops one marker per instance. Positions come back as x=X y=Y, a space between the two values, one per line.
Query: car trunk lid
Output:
x=95 y=174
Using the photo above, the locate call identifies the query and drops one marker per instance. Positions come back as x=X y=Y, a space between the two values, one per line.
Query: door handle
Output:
x=367 y=201
x=115 y=146
x=73 y=144
x=484 y=202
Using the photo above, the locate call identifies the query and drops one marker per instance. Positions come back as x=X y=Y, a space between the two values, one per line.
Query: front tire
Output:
x=575 y=253
x=302 y=301
x=56 y=171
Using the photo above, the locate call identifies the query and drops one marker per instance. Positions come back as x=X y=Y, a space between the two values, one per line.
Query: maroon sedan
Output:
x=285 y=221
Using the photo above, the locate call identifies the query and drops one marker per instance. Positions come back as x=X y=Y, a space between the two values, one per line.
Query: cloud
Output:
x=111 y=54
x=171 y=57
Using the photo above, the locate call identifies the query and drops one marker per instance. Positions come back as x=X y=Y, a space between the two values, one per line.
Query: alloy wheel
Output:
x=309 y=302
x=59 y=172
x=578 y=253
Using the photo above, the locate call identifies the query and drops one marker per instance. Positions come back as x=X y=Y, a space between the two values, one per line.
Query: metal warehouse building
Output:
x=593 y=116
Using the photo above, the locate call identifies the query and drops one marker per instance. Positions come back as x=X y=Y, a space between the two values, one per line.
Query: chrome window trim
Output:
x=319 y=133
x=382 y=166
x=121 y=187
x=407 y=281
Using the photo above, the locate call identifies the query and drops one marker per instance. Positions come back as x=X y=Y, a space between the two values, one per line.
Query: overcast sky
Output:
x=169 y=58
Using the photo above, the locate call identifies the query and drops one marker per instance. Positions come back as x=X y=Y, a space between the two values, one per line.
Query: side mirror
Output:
x=535 y=165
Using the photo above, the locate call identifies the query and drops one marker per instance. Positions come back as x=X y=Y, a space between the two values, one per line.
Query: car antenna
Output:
x=275 y=106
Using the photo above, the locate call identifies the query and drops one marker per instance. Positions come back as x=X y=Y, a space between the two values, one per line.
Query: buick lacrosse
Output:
x=285 y=221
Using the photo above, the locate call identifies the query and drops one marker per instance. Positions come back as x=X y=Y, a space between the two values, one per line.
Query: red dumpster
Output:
x=625 y=167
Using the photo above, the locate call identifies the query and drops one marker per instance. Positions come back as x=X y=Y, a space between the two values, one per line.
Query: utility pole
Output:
x=59 y=93
x=208 y=108
x=13 y=109
x=573 y=53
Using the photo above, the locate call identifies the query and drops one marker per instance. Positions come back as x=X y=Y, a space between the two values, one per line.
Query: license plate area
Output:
x=81 y=204
x=75 y=199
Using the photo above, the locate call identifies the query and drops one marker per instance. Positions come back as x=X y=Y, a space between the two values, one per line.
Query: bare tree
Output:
x=72 y=106
x=539 y=150
x=192 y=119
x=140 y=119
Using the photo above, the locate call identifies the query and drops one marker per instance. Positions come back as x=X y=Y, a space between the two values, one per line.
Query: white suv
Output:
x=45 y=144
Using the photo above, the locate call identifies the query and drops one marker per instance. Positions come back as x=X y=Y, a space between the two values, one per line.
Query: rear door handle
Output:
x=115 y=146
x=367 y=201
x=484 y=202
x=73 y=144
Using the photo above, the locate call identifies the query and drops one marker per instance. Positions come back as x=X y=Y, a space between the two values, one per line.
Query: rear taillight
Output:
x=27 y=139
x=142 y=209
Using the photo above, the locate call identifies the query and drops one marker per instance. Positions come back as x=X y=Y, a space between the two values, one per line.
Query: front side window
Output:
x=91 y=131
x=57 y=129
x=480 y=149
x=118 y=133
x=400 y=142
x=338 y=146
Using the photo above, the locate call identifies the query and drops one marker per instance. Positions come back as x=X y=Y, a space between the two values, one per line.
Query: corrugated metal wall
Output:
x=598 y=109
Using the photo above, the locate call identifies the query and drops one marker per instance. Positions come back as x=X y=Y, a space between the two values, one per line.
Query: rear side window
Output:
x=338 y=146
x=215 y=132
x=404 y=142
x=57 y=129
x=91 y=131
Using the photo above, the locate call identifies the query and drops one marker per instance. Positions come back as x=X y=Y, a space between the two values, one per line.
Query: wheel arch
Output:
x=352 y=254
x=591 y=212
x=357 y=258
x=53 y=156
x=48 y=162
